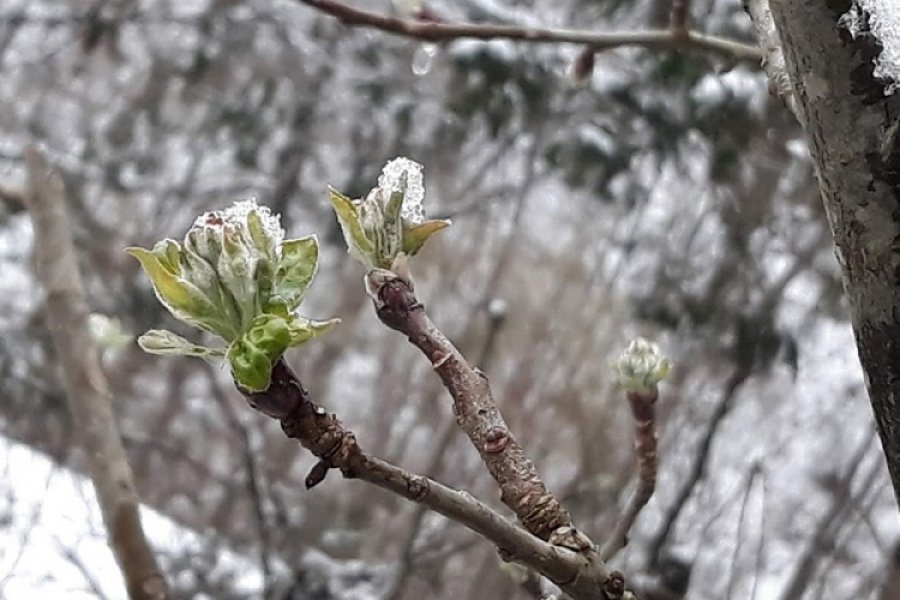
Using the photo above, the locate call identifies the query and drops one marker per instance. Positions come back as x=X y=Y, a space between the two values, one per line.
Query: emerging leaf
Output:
x=161 y=341
x=181 y=297
x=415 y=237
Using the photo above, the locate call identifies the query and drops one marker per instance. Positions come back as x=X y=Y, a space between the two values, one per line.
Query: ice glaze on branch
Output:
x=599 y=41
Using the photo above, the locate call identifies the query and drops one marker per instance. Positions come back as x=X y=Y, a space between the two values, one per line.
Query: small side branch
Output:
x=521 y=488
x=90 y=399
x=442 y=31
x=642 y=403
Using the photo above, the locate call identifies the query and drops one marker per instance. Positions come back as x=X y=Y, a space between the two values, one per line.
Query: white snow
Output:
x=52 y=538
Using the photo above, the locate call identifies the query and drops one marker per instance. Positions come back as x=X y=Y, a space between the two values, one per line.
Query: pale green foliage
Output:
x=237 y=277
x=641 y=366
x=390 y=220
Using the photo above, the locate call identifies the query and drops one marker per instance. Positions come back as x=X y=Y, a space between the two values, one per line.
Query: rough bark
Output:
x=852 y=129
x=90 y=399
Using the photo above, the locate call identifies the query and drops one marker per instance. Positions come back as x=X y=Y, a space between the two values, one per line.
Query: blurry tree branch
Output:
x=681 y=10
x=578 y=574
x=90 y=399
x=773 y=57
x=433 y=31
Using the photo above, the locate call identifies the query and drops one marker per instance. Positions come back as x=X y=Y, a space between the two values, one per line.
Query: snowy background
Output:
x=668 y=196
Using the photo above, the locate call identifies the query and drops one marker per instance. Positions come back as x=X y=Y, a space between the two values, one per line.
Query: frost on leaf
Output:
x=390 y=221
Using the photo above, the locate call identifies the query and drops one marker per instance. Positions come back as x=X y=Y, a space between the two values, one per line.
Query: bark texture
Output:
x=852 y=127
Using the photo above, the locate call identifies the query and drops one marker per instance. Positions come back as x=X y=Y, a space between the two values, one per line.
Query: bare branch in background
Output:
x=90 y=399
x=441 y=31
x=739 y=536
x=805 y=570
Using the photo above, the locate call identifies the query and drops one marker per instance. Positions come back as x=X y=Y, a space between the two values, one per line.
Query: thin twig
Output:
x=253 y=484
x=444 y=439
x=646 y=440
x=435 y=32
x=805 y=568
x=70 y=555
x=90 y=399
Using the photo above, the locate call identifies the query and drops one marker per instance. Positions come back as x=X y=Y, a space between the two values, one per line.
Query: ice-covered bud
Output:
x=641 y=366
x=390 y=220
x=234 y=271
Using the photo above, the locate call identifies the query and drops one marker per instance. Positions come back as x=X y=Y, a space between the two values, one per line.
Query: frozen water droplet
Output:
x=423 y=58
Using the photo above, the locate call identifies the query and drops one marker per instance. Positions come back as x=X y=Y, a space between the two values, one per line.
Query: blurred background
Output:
x=667 y=195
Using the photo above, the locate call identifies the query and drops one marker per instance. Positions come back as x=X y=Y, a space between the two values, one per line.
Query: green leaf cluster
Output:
x=234 y=276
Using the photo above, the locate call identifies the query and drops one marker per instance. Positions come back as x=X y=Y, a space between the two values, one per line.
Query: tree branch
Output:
x=581 y=575
x=521 y=488
x=90 y=399
x=598 y=41
x=773 y=58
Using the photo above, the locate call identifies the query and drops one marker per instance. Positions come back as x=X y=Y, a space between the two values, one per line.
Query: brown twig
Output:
x=581 y=575
x=521 y=489
x=642 y=403
x=435 y=32
x=90 y=399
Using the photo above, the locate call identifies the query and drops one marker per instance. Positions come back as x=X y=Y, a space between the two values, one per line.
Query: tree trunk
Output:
x=852 y=128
